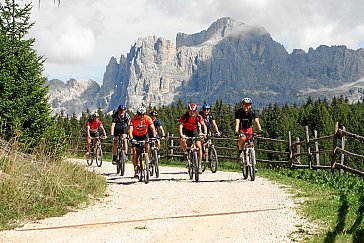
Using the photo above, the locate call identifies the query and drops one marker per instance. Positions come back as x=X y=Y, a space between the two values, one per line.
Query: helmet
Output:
x=206 y=106
x=153 y=113
x=95 y=115
x=122 y=107
x=246 y=100
x=141 y=110
x=192 y=107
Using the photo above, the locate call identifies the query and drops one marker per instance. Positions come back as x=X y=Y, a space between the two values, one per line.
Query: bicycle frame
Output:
x=143 y=161
x=248 y=161
x=193 y=158
x=120 y=155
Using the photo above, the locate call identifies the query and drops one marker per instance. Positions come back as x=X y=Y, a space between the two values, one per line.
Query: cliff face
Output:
x=227 y=61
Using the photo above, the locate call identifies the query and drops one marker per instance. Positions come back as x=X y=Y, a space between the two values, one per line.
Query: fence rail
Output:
x=298 y=154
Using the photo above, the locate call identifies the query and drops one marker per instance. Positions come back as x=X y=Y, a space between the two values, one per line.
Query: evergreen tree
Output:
x=24 y=109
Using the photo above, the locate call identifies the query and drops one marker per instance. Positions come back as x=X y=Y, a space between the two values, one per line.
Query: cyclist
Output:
x=209 y=119
x=157 y=125
x=244 y=118
x=93 y=125
x=119 y=126
x=191 y=125
x=138 y=131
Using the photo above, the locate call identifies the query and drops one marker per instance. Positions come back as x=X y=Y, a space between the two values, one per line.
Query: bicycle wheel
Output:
x=152 y=162
x=252 y=164
x=190 y=165
x=122 y=162
x=214 y=163
x=146 y=168
x=196 y=165
x=98 y=156
x=244 y=167
x=156 y=165
x=140 y=168
x=89 y=159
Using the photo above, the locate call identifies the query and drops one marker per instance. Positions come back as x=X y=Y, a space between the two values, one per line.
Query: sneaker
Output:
x=114 y=162
x=136 y=175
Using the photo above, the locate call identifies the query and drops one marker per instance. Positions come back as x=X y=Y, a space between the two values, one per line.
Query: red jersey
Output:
x=192 y=122
x=94 y=125
x=140 y=127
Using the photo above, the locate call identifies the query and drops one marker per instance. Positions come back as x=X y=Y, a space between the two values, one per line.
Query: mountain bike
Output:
x=120 y=155
x=143 y=161
x=247 y=157
x=209 y=156
x=154 y=157
x=193 y=158
x=95 y=152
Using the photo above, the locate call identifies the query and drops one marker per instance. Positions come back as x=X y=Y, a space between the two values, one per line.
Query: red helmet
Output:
x=192 y=107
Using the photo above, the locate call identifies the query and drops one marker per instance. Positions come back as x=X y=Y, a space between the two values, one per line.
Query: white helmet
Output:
x=246 y=100
x=141 y=110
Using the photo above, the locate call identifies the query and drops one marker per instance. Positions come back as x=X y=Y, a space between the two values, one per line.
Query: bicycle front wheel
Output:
x=156 y=163
x=213 y=159
x=252 y=164
x=196 y=165
x=99 y=156
x=190 y=165
x=244 y=167
x=122 y=162
x=146 y=169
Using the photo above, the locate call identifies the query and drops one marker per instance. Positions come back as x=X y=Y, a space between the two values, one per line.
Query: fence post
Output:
x=308 y=148
x=290 y=148
x=298 y=149
x=170 y=145
x=342 y=154
x=334 y=143
x=317 y=149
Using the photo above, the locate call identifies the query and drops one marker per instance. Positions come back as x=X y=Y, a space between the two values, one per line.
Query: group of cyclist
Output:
x=191 y=124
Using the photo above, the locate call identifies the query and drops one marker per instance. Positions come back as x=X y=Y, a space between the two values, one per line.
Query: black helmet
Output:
x=153 y=113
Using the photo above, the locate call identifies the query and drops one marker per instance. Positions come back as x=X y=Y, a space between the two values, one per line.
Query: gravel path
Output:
x=222 y=207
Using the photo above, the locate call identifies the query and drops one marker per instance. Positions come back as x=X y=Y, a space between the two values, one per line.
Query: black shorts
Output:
x=191 y=133
x=140 y=138
x=94 y=134
x=118 y=132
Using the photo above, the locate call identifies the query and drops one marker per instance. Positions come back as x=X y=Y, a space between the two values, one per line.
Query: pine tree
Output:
x=24 y=109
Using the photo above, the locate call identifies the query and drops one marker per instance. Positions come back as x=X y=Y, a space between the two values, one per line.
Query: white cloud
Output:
x=87 y=33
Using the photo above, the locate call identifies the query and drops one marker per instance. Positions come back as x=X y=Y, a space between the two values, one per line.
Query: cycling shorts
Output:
x=94 y=134
x=140 y=138
x=118 y=132
x=248 y=130
x=191 y=133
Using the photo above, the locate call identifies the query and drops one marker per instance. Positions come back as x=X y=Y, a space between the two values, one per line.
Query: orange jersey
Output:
x=140 y=127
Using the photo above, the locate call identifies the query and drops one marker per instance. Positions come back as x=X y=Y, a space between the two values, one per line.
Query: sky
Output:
x=78 y=37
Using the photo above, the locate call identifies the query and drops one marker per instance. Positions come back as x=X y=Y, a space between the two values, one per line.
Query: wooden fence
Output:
x=300 y=153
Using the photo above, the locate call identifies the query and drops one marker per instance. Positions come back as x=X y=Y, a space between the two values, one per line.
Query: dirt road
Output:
x=222 y=207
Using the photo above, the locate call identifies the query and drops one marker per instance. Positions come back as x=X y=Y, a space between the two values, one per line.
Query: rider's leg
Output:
x=135 y=160
x=198 y=144
x=125 y=141
x=88 y=144
x=114 y=150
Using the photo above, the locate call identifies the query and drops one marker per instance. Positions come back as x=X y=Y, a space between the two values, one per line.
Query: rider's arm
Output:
x=152 y=128
x=162 y=130
x=237 y=121
x=204 y=128
x=180 y=130
x=112 y=129
x=103 y=130
x=131 y=131
x=257 y=123
x=88 y=131
x=214 y=125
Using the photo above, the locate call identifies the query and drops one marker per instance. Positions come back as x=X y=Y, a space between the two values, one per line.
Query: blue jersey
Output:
x=120 y=122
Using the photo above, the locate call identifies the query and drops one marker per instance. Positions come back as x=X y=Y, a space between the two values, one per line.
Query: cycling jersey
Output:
x=208 y=120
x=94 y=125
x=120 y=122
x=246 y=118
x=140 y=127
x=191 y=123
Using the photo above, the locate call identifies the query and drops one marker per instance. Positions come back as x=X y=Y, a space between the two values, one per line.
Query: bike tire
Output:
x=152 y=163
x=146 y=169
x=156 y=163
x=213 y=160
x=98 y=156
x=190 y=166
x=252 y=164
x=196 y=166
x=244 y=167
x=89 y=159
x=122 y=162
x=140 y=169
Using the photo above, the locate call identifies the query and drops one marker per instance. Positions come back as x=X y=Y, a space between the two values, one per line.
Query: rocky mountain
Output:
x=227 y=61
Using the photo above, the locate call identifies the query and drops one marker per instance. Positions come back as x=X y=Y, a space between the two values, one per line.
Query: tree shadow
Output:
x=358 y=235
x=343 y=211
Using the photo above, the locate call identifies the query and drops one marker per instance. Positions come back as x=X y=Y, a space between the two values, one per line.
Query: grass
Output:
x=332 y=202
x=34 y=189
